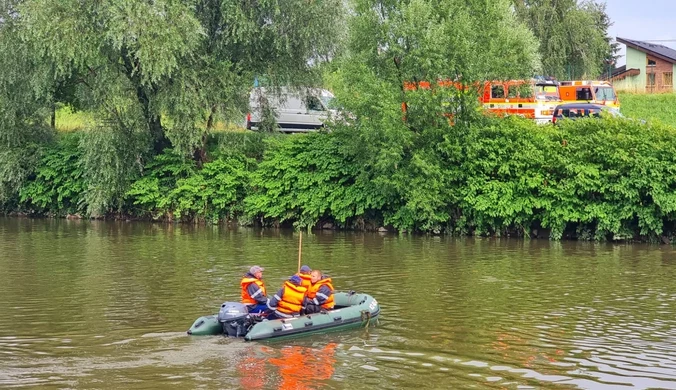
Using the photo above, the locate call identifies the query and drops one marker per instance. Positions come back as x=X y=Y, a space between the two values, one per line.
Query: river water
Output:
x=87 y=304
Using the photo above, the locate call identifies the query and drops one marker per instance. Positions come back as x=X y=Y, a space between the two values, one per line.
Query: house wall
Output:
x=638 y=60
x=658 y=70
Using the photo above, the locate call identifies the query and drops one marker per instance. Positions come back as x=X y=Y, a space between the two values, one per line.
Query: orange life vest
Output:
x=306 y=278
x=314 y=289
x=292 y=301
x=246 y=281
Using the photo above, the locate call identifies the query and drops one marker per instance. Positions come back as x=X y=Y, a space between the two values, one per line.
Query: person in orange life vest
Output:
x=289 y=299
x=253 y=290
x=320 y=294
x=304 y=275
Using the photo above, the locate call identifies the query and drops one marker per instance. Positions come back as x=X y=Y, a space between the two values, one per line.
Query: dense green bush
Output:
x=306 y=179
x=173 y=188
x=58 y=185
x=615 y=177
x=506 y=166
x=592 y=179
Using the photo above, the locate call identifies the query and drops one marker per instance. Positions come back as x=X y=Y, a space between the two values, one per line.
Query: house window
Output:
x=668 y=79
x=651 y=62
x=650 y=81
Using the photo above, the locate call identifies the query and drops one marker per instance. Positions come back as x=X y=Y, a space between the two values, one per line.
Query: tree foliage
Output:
x=158 y=73
x=25 y=83
x=573 y=35
x=409 y=41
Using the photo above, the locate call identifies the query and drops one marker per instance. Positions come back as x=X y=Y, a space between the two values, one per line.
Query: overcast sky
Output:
x=643 y=20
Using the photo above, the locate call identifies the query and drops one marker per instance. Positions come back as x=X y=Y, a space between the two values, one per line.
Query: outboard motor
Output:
x=235 y=319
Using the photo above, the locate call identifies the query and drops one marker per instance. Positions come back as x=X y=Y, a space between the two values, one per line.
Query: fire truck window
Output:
x=497 y=91
x=604 y=93
x=525 y=91
x=583 y=94
x=512 y=91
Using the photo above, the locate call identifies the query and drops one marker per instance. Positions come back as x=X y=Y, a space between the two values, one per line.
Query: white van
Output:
x=295 y=110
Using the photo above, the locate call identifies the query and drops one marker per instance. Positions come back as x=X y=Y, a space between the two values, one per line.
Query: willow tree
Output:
x=25 y=86
x=158 y=74
x=573 y=35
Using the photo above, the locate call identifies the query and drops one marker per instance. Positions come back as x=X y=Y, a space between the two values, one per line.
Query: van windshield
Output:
x=604 y=93
x=546 y=92
x=327 y=101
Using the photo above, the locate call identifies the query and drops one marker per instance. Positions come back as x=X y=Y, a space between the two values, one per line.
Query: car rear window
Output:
x=577 y=112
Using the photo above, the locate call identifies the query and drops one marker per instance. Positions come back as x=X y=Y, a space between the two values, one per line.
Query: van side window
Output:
x=313 y=104
x=497 y=91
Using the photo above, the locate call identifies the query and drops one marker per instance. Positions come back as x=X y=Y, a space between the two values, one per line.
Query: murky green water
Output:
x=106 y=305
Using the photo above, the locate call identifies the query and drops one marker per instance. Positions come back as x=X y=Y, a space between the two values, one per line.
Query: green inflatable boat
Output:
x=351 y=310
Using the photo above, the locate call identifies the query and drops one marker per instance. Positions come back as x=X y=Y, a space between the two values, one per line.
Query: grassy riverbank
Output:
x=68 y=120
x=654 y=107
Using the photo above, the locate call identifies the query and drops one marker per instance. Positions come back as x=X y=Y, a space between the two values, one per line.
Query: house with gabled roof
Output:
x=650 y=68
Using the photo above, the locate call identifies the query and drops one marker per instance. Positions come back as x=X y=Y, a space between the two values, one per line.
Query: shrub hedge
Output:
x=591 y=179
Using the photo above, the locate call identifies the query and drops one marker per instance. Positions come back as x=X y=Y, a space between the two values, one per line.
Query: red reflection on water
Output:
x=293 y=367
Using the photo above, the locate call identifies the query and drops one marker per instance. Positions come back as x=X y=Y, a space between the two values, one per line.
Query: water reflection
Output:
x=287 y=368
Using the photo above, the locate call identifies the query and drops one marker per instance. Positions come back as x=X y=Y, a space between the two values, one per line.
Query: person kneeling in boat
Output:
x=253 y=290
x=289 y=299
x=304 y=274
x=320 y=294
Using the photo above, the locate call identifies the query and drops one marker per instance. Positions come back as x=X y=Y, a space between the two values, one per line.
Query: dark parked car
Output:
x=581 y=110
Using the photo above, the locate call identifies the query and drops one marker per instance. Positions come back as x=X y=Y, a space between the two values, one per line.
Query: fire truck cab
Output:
x=589 y=91
x=534 y=99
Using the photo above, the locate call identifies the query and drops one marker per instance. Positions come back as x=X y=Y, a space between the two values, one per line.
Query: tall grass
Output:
x=659 y=107
x=68 y=120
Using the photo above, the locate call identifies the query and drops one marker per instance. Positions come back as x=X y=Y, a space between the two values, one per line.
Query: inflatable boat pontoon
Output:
x=351 y=310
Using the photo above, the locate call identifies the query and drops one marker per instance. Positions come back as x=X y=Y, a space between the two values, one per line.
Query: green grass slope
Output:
x=653 y=107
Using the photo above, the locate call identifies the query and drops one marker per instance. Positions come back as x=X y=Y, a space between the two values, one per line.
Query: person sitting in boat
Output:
x=253 y=290
x=289 y=299
x=320 y=294
x=304 y=275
